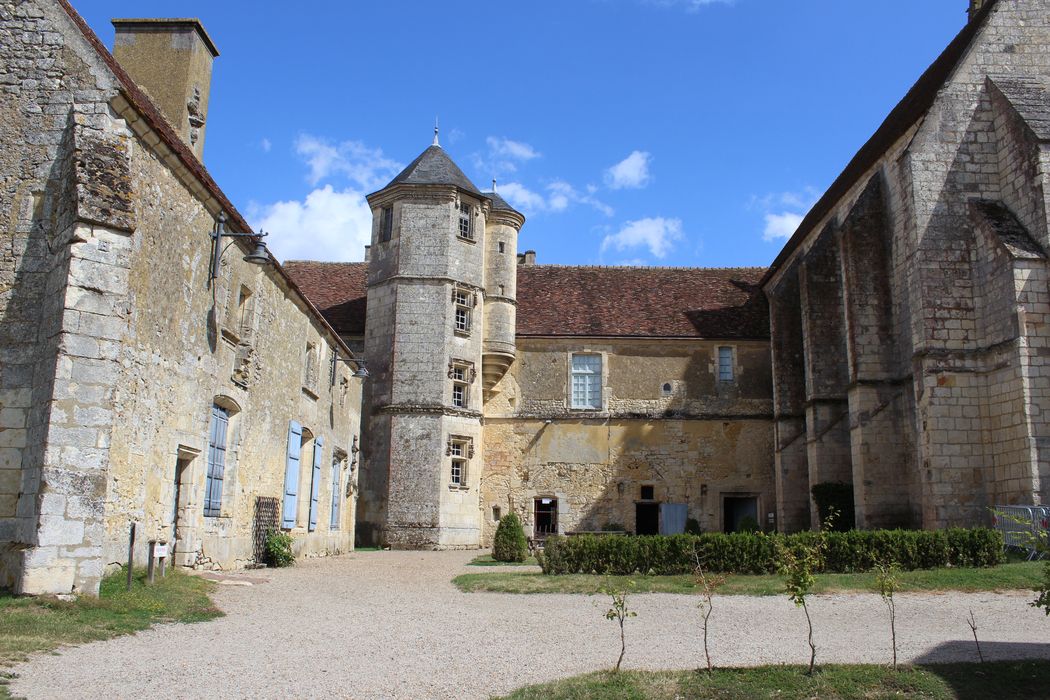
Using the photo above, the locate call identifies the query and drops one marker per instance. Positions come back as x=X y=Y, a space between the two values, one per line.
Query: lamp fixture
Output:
x=361 y=372
x=259 y=255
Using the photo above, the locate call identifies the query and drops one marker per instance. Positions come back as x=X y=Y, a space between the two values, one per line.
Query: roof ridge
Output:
x=644 y=267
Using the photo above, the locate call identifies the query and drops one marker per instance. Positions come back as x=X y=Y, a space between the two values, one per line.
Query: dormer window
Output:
x=466 y=221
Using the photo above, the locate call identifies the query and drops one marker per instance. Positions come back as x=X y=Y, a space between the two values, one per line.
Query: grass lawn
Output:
x=1000 y=680
x=487 y=560
x=45 y=623
x=1012 y=576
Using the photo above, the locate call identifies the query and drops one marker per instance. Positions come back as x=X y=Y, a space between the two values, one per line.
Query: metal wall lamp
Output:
x=361 y=372
x=259 y=255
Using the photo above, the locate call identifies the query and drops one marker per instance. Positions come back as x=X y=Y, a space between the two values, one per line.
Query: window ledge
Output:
x=466 y=239
x=311 y=393
x=462 y=334
x=458 y=487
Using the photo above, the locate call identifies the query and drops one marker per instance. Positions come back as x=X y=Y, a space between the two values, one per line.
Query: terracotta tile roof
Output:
x=556 y=300
x=337 y=289
x=908 y=111
x=152 y=115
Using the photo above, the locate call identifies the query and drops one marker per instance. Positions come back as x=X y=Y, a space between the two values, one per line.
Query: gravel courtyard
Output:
x=391 y=625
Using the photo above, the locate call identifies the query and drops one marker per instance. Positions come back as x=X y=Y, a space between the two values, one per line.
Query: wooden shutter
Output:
x=337 y=491
x=291 y=475
x=220 y=420
x=315 y=483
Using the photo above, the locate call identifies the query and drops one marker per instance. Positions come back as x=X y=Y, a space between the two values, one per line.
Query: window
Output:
x=466 y=221
x=310 y=369
x=648 y=493
x=497 y=513
x=333 y=366
x=587 y=381
x=502 y=247
x=667 y=389
x=220 y=422
x=461 y=450
x=462 y=374
x=725 y=364
x=463 y=301
x=386 y=224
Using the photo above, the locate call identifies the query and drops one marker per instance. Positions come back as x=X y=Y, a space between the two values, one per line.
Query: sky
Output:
x=629 y=132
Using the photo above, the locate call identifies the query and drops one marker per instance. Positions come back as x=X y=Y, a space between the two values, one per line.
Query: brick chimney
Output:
x=171 y=60
x=527 y=258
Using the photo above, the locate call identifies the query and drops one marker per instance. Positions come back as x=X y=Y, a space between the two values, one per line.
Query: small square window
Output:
x=648 y=493
x=502 y=247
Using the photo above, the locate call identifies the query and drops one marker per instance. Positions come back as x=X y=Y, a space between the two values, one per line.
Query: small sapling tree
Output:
x=619 y=612
x=887 y=581
x=797 y=564
x=972 y=622
x=708 y=585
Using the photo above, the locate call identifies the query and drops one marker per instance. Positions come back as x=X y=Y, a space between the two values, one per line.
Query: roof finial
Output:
x=436 y=132
x=493 y=185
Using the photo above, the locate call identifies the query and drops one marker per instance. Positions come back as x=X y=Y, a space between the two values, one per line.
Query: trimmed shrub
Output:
x=837 y=496
x=757 y=552
x=509 y=543
x=279 y=549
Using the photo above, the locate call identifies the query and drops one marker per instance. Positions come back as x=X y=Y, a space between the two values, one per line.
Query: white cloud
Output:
x=265 y=145
x=657 y=234
x=783 y=211
x=779 y=226
x=328 y=224
x=630 y=173
x=503 y=156
x=367 y=167
x=559 y=196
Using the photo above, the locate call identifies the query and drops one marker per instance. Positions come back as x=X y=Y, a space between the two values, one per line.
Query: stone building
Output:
x=910 y=310
x=578 y=397
x=139 y=381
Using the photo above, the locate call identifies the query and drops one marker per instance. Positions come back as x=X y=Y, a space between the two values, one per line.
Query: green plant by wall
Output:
x=692 y=527
x=279 y=549
x=834 y=501
x=510 y=543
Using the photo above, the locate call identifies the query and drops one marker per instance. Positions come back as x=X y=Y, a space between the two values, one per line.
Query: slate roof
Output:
x=557 y=300
x=908 y=111
x=434 y=167
x=1029 y=96
x=500 y=204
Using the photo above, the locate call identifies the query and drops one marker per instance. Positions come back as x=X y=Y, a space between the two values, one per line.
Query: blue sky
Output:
x=645 y=132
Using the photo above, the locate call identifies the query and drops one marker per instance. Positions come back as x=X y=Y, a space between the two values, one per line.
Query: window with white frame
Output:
x=461 y=450
x=462 y=375
x=586 y=381
x=466 y=221
x=463 y=301
x=725 y=364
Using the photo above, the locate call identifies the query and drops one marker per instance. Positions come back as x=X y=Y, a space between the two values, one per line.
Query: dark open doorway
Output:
x=740 y=513
x=546 y=517
x=647 y=518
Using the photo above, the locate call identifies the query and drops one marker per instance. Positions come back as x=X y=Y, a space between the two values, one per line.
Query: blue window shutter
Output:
x=337 y=494
x=291 y=475
x=315 y=482
x=220 y=420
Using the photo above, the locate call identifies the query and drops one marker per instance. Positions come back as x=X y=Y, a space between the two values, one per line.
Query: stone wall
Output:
x=941 y=307
x=114 y=347
x=667 y=422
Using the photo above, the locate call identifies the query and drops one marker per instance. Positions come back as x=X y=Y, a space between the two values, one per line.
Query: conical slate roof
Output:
x=500 y=204
x=434 y=167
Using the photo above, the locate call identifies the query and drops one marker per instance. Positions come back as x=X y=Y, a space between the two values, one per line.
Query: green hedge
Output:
x=756 y=553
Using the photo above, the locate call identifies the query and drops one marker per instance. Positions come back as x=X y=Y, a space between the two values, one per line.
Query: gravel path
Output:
x=391 y=625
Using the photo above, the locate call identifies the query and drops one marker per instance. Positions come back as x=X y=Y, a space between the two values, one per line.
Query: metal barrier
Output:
x=1026 y=528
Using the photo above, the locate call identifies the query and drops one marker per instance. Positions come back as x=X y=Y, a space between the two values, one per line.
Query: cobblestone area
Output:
x=391 y=625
